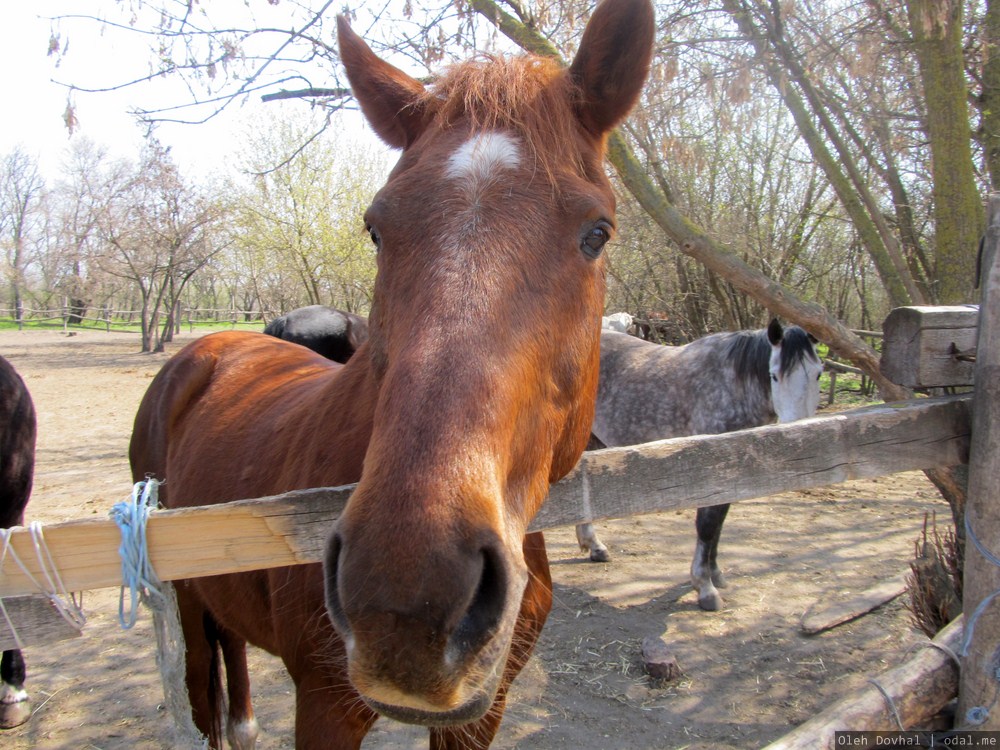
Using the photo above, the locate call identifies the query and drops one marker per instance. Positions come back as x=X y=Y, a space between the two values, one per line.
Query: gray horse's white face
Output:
x=794 y=394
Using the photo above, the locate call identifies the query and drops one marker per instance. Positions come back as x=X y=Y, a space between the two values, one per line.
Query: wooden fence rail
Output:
x=109 y=317
x=689 y=472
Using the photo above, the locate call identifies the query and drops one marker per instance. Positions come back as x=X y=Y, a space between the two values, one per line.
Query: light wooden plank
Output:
x=268 y=532
x=612 y=483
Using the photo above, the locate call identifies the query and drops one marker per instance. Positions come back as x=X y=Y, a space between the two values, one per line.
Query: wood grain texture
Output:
x=918 y=688
x=919 y=344
x=982 y=576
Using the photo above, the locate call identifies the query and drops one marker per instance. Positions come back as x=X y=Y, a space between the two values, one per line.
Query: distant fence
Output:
x=110 y=319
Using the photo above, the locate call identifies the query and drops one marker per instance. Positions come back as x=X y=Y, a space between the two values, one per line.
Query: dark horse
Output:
x=719 y=383
x=474 y=391
x=333 y=333
x=17 y=467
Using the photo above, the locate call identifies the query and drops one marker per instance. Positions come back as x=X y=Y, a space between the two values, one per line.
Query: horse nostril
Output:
x=485 y=612
x=334 y=606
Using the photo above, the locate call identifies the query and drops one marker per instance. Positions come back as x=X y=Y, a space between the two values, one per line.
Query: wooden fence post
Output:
x=980 y=678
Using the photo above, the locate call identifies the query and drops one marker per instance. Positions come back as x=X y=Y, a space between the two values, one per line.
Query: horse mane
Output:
x=750 y=352
x=531 y=96
x=796 y=347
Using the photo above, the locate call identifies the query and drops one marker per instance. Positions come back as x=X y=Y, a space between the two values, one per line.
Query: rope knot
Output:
x=137 y=572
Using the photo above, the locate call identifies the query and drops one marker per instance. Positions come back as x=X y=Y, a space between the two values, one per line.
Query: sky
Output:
x=35 y=99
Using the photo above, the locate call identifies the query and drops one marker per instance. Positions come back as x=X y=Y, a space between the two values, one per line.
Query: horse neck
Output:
x=341 y=409
x=749 y=357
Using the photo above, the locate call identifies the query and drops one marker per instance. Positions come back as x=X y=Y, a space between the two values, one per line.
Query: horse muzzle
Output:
x=427 y=633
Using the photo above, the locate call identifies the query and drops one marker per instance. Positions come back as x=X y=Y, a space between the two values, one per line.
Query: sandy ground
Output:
x=749 y=675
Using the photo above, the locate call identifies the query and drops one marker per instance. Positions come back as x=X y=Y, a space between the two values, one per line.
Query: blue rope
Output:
x=137 y=571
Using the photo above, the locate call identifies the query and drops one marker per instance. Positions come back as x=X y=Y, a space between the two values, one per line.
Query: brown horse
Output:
x=17 y=470
x=474 y=391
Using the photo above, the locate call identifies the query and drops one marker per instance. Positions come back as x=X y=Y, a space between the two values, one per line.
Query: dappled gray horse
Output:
x=719 y=383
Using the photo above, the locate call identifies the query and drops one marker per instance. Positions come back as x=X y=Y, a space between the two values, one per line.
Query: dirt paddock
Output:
x=748 y=673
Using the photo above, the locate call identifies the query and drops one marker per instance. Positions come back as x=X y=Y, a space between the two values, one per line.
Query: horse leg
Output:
x=328 y=713
x=705 y=573
x=586 y=536
x=15 y=708
x=535 y=606
x=241 y=724
x=15 y=704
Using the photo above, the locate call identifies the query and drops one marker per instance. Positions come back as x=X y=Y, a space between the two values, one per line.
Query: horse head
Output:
x=484 y=343
x=795 y=369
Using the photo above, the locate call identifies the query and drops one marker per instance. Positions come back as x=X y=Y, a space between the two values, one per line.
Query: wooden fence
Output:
x=110 y=319
x=290 y=529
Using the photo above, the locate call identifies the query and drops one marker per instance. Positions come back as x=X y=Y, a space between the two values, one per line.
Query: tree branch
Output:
x=314 y=93
x=696 y=243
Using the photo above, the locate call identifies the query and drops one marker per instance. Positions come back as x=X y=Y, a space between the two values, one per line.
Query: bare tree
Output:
x=158 y=234
x=21 y=194
x=297 y=229
x=91 y=182
x=861 y=122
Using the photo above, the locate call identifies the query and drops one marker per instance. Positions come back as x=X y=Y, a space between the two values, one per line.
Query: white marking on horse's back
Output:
x=480 y=158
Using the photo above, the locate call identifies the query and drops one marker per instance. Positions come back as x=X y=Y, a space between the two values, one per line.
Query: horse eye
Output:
x=595 y=238
x=774 y=377
x=376 y=238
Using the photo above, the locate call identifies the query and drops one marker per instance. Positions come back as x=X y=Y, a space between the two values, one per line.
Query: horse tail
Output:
x=216 y=688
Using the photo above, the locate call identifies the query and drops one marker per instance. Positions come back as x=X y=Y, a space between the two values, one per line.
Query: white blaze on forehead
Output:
x=480 y=158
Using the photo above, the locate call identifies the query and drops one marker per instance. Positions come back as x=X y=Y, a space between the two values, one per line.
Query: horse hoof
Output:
x=719 y=580
x=242 y=735
x=14 y=714
x=600 y=555
x=710 y=602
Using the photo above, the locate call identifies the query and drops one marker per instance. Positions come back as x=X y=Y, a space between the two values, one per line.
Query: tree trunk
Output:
x=841 y=170
x=990 y=99
x=936 y=28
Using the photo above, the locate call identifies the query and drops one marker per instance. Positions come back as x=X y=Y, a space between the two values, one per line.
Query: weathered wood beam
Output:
x=981 y=666
x=291 y=529
x=714 y=469
x=928 y=347
x=918 y=689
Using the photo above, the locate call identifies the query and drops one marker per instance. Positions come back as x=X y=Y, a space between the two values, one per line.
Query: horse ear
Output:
x=389 y=98
x=611 y=65
x=774 y=332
